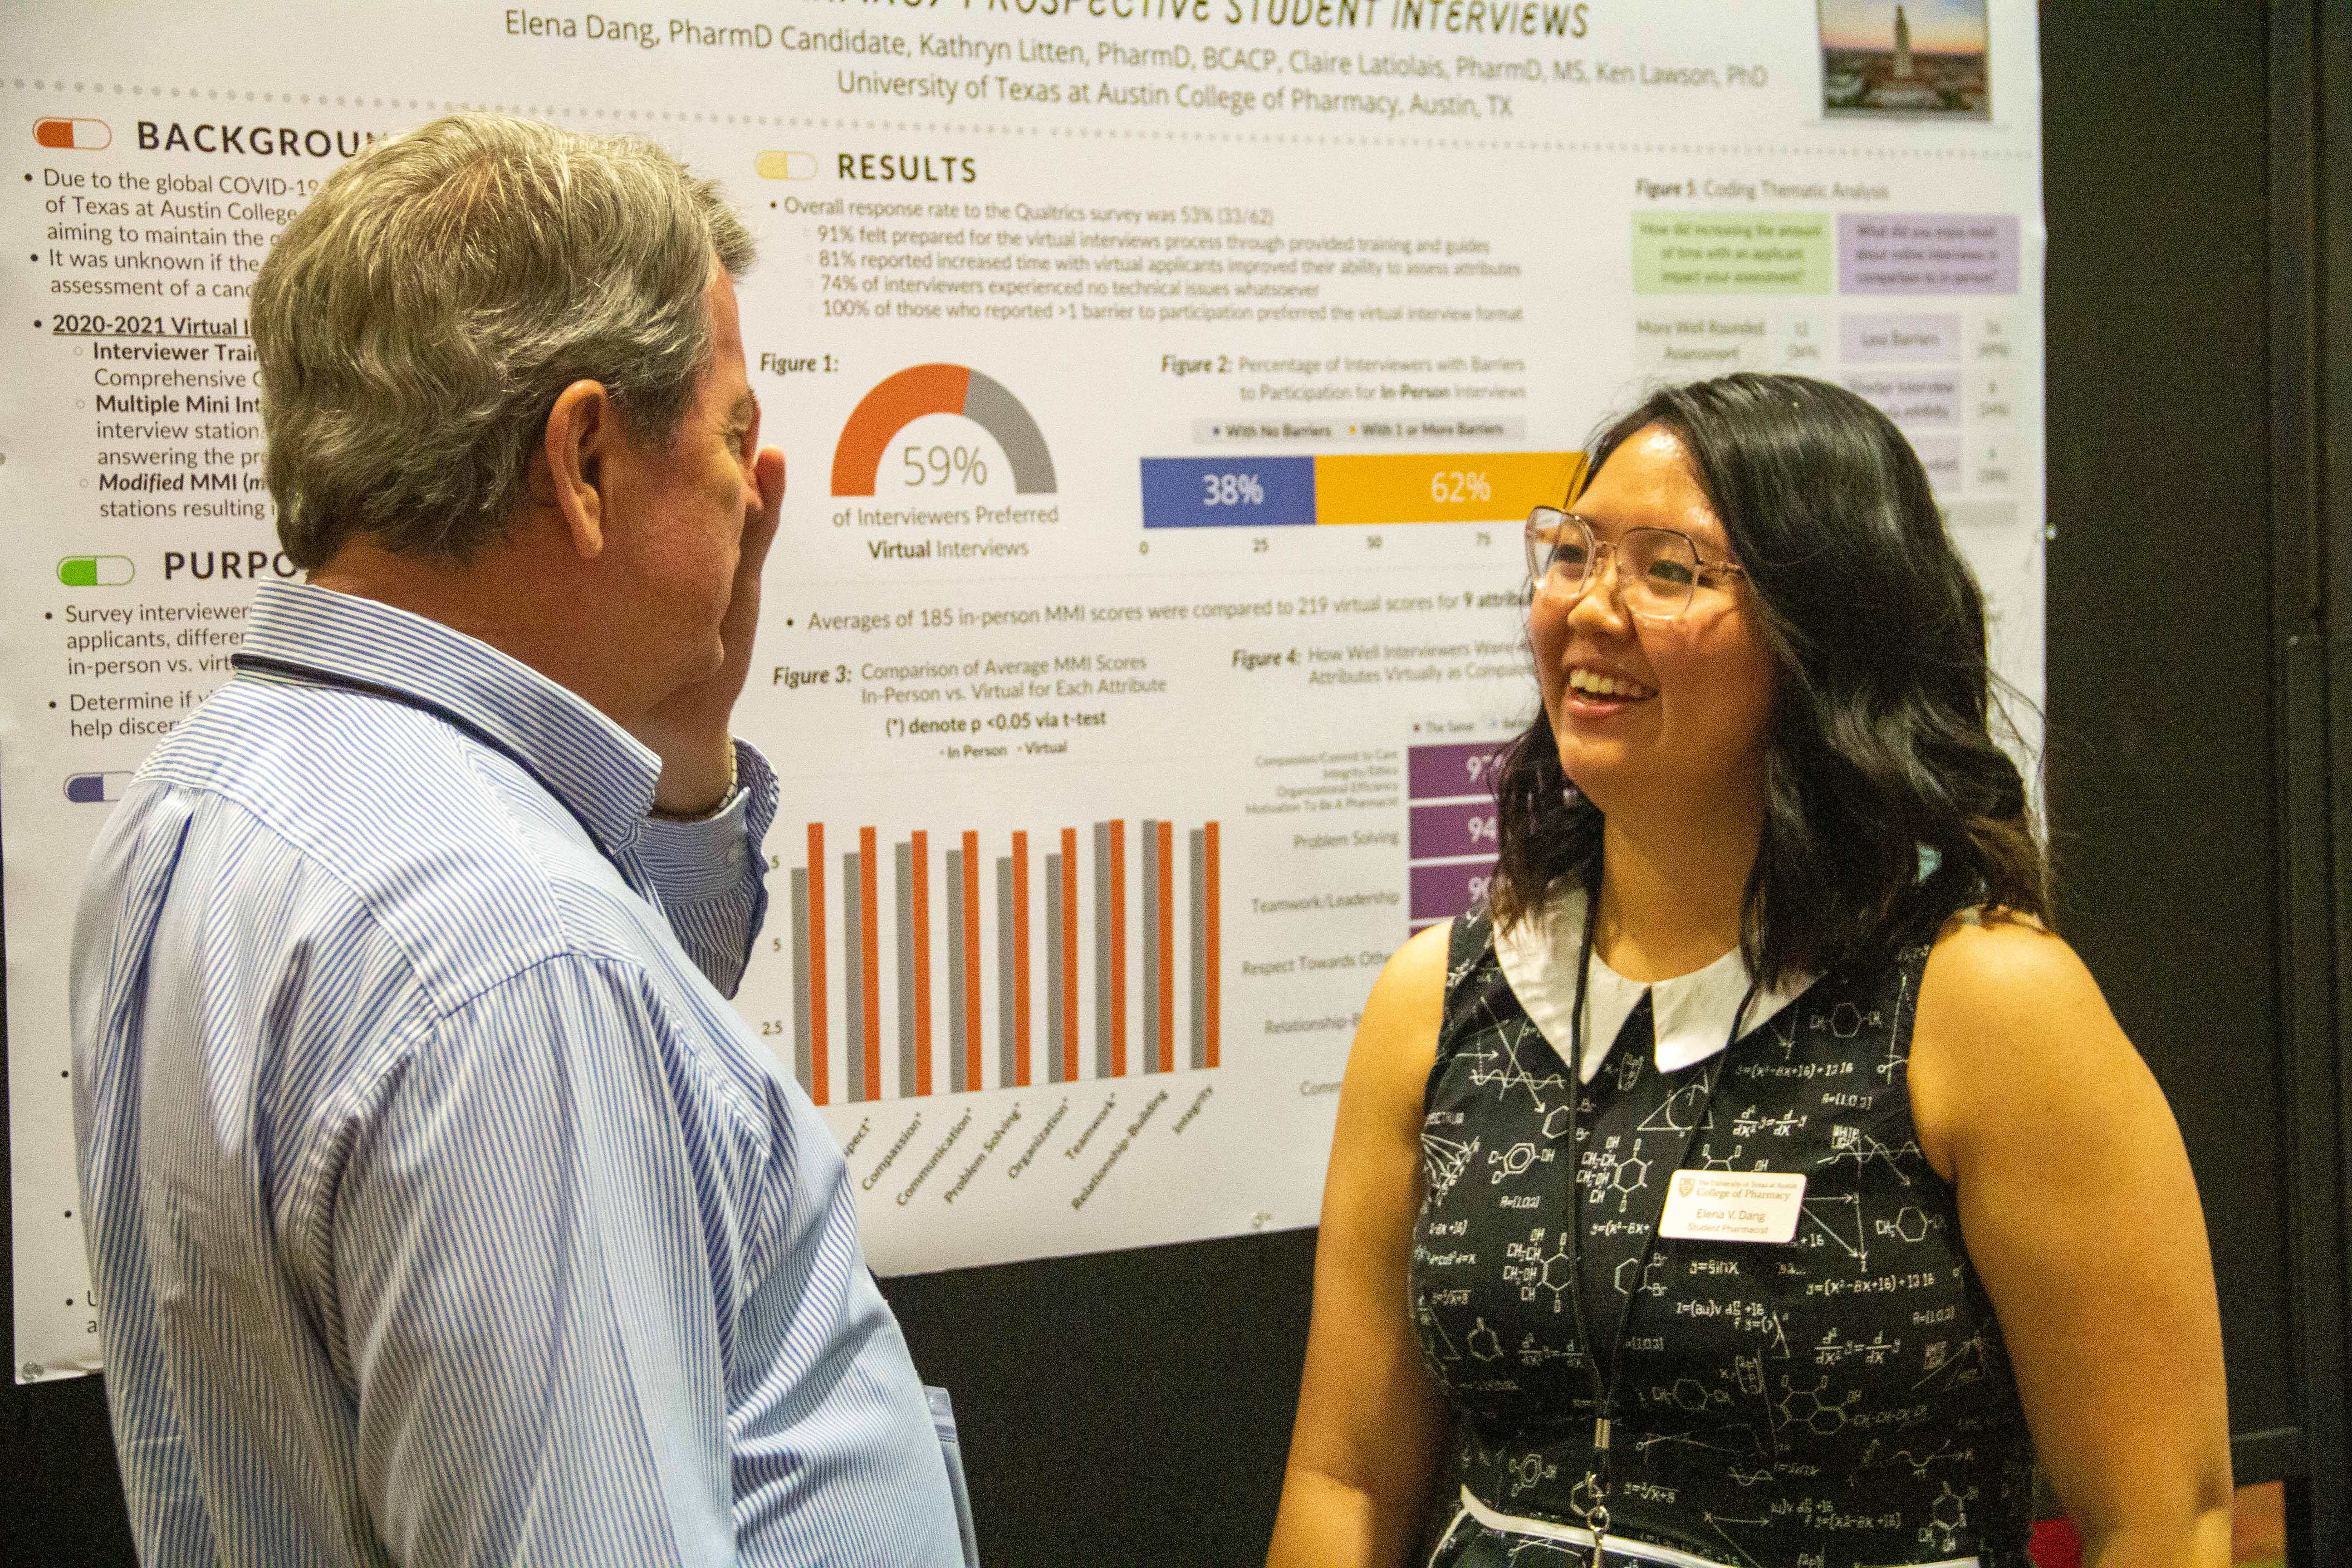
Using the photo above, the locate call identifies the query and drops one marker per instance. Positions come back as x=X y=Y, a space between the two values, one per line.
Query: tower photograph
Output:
x=1914 y=58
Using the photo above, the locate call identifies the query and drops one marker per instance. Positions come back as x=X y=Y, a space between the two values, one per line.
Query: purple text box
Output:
x=1458 y=828
x=1927 y=253
x=1882 y=338
x=1940 y=455
x=1441 y=892
x=1433 y=773
x=1916 y=400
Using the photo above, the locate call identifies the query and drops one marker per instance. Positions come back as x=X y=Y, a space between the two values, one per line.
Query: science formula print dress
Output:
x=1840 y=1399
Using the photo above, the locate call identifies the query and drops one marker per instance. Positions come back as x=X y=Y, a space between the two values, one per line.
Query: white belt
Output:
x=1617 y=1545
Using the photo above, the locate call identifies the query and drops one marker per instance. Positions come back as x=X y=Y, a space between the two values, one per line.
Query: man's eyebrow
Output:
x=746 y=406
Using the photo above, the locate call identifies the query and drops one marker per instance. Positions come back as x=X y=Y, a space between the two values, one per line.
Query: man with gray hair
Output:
x=441 y=1210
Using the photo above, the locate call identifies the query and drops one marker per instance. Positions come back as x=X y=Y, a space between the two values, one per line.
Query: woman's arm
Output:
x=1363 y=1455
x=2081 y=1217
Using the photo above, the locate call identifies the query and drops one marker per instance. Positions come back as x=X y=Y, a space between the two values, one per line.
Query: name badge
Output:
x=1732 y=1206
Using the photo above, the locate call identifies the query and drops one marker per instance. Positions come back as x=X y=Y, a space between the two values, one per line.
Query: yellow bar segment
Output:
x=1383 y=487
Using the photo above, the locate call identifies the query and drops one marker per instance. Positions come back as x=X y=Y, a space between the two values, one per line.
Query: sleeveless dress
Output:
x=1843 y=1400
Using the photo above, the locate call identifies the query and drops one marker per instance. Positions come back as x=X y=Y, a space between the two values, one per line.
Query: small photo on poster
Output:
x=1917 y=58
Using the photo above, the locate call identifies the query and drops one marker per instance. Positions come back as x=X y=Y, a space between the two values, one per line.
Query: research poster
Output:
x=1163 y=386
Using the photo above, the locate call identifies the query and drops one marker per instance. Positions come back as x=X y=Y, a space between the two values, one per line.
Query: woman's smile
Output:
x=1594 y=691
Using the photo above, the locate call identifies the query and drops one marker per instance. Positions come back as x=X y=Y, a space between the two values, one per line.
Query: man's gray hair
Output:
x=417 y=321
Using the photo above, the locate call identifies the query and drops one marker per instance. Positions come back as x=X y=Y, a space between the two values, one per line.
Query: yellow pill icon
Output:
x=786 y=165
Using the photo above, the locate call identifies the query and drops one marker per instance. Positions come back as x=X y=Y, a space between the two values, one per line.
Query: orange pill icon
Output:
x=79 y=135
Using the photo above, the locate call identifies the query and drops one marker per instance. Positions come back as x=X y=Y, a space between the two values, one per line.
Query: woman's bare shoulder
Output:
x=2009 y=1017
x=1417 y=970
x=1396 y=1039
x=1997 y=977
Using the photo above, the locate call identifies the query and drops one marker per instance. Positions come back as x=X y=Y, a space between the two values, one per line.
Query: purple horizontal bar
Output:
x=1927 y=253
x=1458 y=828
x=1441 y=892
x=1432 y=772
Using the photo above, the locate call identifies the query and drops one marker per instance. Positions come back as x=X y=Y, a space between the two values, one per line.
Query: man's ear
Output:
x=581 y=430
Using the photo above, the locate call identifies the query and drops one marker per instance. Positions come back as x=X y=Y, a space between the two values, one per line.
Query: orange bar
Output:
x=869 y=931
x=971 y=1051
x=819 y=1078
x=1166 y=850
x=1069 y=955
x=1118 y=947
x=1021 y=960
x=1209 y=896
x=921 y=843
x=885 y=411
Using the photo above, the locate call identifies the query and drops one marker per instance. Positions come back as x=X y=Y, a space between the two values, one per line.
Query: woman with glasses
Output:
x=1755 y=1179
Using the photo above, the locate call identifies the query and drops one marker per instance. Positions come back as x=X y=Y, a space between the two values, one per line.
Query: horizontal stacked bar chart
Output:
x=1354 y=489
x=1450 y=842
x=989 y=965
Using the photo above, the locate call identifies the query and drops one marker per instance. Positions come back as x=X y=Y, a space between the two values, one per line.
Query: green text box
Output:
x=1733 y=253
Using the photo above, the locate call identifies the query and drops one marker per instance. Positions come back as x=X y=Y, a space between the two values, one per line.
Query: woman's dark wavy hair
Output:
x=1880 y=738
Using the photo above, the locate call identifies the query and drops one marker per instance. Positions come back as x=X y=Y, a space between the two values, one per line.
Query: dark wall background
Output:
x=2163 y=734
x=1135 y=1407
x=2188 y=767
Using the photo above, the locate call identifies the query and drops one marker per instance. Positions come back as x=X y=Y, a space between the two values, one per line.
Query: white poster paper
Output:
x=1163 y=386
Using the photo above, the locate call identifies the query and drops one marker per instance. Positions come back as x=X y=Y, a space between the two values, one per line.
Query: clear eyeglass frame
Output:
x=1658 y=570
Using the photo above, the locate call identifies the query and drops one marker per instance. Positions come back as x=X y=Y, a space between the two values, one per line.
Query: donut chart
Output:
x=899 y=400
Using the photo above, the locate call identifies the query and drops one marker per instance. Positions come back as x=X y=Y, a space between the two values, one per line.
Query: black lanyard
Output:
x=1604 y=1385
x=310 y=675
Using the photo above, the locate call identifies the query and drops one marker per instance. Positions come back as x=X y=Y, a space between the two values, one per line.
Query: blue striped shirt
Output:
x=441 y=1209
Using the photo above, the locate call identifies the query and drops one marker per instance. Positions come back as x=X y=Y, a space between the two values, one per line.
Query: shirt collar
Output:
x=1693 y=1013
x=589 y=764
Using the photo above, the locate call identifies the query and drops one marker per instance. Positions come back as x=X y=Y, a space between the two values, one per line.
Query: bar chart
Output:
x=1360 y=489
x=1451 y=832
x=968 y=962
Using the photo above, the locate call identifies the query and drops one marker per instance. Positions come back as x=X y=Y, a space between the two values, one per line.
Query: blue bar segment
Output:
x=1228 y=492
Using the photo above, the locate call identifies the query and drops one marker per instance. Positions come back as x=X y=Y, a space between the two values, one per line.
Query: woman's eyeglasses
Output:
x=1658 y=570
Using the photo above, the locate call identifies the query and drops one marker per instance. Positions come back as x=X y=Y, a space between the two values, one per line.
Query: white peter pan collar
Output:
x=1693 y=1012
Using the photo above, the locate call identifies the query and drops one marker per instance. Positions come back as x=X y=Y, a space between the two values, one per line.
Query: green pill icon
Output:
x=95 y=571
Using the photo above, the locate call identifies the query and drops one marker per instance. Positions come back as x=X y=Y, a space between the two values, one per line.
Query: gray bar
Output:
x=1055 y=934
x=801 y=981
x=853 y=964
x=1005 y=967
x=906 y=960
x=1200 y=948
x=989 y=404
x=1149 y=855
x=1102 y=950
x=955 y=973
